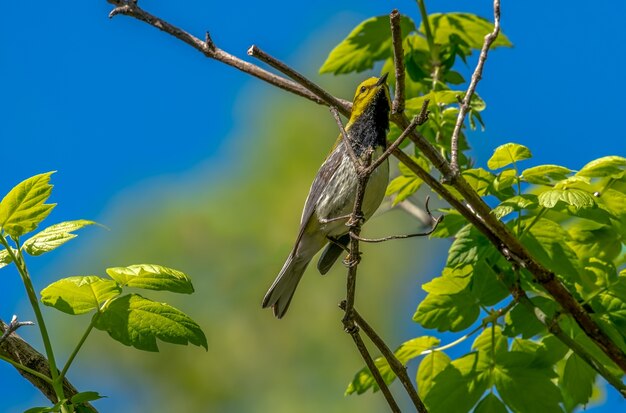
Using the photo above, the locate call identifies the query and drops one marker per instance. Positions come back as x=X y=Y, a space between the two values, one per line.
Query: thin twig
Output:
x=434 y=224
x=360 y=345
x=476 y=76
x=13 y=326
x=398 y=60
x=346 y=138
x=396 y=366
x=330 y=100
x=208 y=48
x=21 y=354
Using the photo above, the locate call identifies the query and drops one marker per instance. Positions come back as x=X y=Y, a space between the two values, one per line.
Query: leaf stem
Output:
x=534 y=221
x=20 y=264
x=69 y=361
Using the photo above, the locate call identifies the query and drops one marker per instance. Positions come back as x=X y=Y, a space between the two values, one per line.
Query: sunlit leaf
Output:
x=152 y=277
x=576 y=198
x=453 y=312
x=466 y=27
x=5 y=258
x=136 y=321
x=479 y=179
x=516 y=203
x=609 y=166
x=507 y=154
x=24 y=207
x=54 y=236
x=85 y=396
x=432 y=364
x=545 y=174
x=79 y=294
x=369 y=42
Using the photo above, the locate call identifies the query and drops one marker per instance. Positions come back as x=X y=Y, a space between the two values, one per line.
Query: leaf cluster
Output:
x=572 y=222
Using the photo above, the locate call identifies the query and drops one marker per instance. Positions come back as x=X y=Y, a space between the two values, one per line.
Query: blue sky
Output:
x=115 y=105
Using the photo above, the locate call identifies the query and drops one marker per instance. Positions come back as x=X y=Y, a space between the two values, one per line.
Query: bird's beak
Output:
x=382 y=79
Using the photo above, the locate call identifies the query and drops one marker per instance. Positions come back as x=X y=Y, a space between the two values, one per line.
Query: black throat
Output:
x=370 y=129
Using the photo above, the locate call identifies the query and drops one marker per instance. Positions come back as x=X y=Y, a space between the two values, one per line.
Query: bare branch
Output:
x=476 y=76
x=329 y=99
x=398 y=60
x=396 y=366
x=369 y=362
x=20 y=353
x=130 y=8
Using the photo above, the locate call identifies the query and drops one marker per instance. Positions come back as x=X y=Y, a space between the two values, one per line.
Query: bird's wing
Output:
x=324 y=174
x=323 y=177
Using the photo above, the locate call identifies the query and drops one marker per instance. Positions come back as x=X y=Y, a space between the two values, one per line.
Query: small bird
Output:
x=333 y=193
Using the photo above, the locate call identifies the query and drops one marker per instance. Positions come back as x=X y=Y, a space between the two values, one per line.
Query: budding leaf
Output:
x=24 y=207
x=54 y=236
x=507 y=154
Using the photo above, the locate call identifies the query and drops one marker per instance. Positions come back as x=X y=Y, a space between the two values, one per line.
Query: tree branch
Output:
x=208 y=48
x=476 y=211
x=20 y=352
x=398 y=60
x=476 y=76
x=396 y=366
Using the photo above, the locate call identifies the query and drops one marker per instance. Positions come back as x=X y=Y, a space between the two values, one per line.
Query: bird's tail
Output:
x=281 y=292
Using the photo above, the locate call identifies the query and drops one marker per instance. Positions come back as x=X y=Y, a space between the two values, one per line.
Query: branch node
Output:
x=208 y=42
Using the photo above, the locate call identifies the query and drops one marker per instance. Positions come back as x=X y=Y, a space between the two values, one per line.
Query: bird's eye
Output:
x=363 y=89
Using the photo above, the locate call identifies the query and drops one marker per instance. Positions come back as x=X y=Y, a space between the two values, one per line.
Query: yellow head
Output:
x=367 y=93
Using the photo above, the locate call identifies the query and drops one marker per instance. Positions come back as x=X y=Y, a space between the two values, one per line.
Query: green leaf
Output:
x=577 y=381
x=468 y=247
x=504 y=181
x=136 y=321
x=609 y=166
x=490 y=404
x=369 y=42
x=5 y=257
x=454 y=312
x=443 y=98
x=364 y=380
x=468 y=28
x=452 y=281
x=486 y=287
x=54 y=236
x=545 y=174
x=433 y=364
x=521 y=320
x=79 y=294
x=507 y=154
x=491 y=344
x=459 y=386
x=24 y=207
x=152 y=277
x=479 y=179
x=546 y=241
x=85 y=396
x=576 y=198
x=524 y=388
x=516 y=203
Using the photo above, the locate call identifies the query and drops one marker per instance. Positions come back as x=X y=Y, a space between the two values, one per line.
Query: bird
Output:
x=332 y=194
